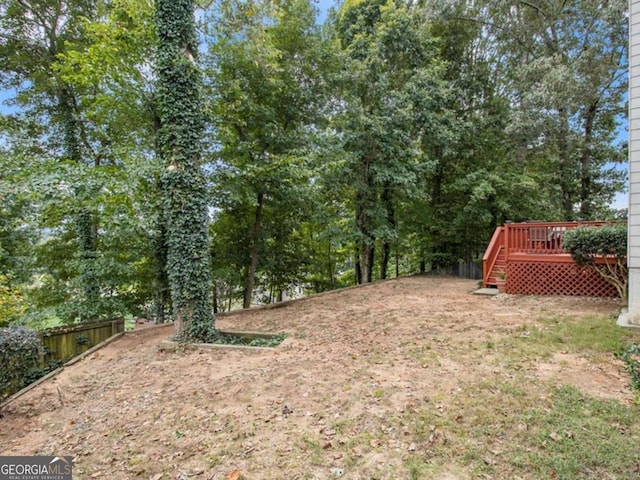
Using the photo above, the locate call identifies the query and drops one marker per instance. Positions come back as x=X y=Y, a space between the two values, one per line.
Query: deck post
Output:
x=633 y=254
x=507 y=224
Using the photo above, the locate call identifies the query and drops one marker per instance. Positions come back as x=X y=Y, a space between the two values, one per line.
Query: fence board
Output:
x=63 y=343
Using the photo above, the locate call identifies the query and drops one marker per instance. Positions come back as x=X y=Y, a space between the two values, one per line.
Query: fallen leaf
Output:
x=235 y=475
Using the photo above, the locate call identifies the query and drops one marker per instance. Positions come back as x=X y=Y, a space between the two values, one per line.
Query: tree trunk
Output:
x=163 y=298
x=162 y=287
x=387 y=200
x=255 y=242
x=365 y=200
x=366 y=251
x=85 y=230
x=566 y=170
x=585 y=164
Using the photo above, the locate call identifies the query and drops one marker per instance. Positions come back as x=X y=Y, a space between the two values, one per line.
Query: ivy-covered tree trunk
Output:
x=184 y=189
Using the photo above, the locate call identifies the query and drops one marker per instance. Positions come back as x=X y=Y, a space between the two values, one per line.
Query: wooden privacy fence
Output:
x=461 y=269
x=62 y=343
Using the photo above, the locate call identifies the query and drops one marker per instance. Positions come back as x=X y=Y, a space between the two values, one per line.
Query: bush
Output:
x=20 y=350
x=631 y=357
x=587 y=244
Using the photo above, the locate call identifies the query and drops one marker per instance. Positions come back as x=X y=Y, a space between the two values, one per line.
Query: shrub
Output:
x=631 y=357
x=20 y=349
x=587 y=244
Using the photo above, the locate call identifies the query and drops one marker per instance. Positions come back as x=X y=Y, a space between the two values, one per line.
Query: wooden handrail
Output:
x=491 y=253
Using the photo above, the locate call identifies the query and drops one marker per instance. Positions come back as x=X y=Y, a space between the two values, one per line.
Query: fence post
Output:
x=42 y=352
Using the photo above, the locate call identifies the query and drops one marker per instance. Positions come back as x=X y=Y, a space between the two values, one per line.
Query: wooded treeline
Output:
x=388 y=140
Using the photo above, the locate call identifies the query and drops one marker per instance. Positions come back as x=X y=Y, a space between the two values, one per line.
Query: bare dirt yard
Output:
x=410 y=378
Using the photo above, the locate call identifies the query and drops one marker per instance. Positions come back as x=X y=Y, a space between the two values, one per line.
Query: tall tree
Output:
x=568 y=75
x=267 y=63
x=33 y=34
x=184 y=188
x=84 y=164
x=391 y=68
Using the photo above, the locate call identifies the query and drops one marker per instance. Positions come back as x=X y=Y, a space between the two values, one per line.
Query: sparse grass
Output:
x=590 y=336
x=505 y=433
x=510 y=425
x=576 y=436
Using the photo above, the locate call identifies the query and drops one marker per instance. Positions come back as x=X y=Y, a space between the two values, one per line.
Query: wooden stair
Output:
x=499 y=265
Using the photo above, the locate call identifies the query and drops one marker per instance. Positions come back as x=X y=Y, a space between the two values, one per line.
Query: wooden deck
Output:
x=532 y=257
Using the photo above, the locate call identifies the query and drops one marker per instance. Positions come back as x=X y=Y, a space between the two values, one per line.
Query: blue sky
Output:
x=323 y=7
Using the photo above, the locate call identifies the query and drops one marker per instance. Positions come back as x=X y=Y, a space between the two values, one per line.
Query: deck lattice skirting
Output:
x=542 y=278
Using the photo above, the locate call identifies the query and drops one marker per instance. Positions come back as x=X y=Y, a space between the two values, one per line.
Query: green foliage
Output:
x=393 y=133
x=587 y=243
x=394 y=94
x=81 y=93
x=255 y=342
x=267 y=71
x=11 y=302
x=571 y=84
x=609 y=242
x=631 y=359
x=184 y=190
x=20 y=350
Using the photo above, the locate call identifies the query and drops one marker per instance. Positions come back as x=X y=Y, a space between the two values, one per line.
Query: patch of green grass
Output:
x=579 y=437
x=129 y=322
x=417 y=468
x=511 y=429
x=595 y=333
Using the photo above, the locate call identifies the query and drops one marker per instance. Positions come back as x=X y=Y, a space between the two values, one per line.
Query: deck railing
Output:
x=541 y=238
